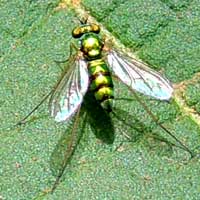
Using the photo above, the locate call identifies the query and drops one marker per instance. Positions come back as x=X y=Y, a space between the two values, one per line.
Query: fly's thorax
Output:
x=91 y=46
x=101 y=83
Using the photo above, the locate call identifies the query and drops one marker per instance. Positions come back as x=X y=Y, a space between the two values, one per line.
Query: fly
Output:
x=92 y=68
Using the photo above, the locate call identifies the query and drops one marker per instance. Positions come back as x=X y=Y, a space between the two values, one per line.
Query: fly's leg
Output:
x=121 y=120
x=129 y=124
x=72 y=46
x=71 y=146
x=71 y=57
x=23 y=121
x=156 y=120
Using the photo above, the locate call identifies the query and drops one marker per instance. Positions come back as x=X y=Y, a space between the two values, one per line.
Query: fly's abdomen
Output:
x=101 y=83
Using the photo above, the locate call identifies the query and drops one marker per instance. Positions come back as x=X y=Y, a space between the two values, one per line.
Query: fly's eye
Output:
x=95 y=28
x=77 y=32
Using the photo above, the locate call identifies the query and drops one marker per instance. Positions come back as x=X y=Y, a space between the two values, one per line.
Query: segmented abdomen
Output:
x=101 y=83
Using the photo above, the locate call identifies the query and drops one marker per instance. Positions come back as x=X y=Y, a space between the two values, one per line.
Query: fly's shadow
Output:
x=99 y=120
x=101 y=124
x=135 y=130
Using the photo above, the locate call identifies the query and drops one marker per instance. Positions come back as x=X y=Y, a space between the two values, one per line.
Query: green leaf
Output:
x=36 y=33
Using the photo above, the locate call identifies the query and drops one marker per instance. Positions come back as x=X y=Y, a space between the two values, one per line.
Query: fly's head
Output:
x=90 y=42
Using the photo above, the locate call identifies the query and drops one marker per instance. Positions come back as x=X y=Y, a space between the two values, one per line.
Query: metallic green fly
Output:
x=92 y=68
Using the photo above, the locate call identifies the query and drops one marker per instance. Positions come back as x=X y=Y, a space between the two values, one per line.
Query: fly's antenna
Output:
x=83 y=20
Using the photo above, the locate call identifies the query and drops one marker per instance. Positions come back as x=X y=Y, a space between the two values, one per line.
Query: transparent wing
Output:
x=69 y=93
x=139 y=77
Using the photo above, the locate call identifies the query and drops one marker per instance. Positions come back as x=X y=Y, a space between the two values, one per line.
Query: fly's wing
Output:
x=138 y=76
x=69 y=93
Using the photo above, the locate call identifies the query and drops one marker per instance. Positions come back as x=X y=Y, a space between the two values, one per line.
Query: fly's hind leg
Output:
x=156 y=120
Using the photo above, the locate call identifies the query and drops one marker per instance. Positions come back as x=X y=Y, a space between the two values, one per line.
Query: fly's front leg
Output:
x=72 y=47
x=71 y=58
x=23 y=121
